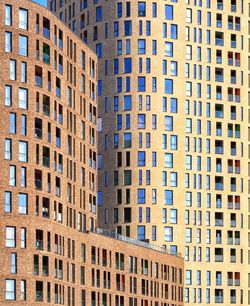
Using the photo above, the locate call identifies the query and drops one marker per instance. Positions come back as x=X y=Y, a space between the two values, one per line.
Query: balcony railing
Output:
x=39 y=244
x=218 y=258
x=218 y=299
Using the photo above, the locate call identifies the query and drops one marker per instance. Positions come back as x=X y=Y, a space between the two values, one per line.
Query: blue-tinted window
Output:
x=116 y=141
x=127 y=140
x=127 y=28
x=116 y=66
x=141 y=46
x=119 y=84
x=168 y=12
x=154 y=9
x=141 y=235
x=141 y=9
x=168 y=49
x=127 y=121
x=127 y=81
x=116 y=28
x=164 y=30
x=168 y=86
x=141 y=121
x=141 y=159
x=119 y=47
x=98 y=13
x=154 y=47
x=116 y=104
x=173 y=105
x=148 y=65
x=174 y=31
x=168 y=197
x=127 y=46
x=127 y=65
x=119 y=9
x=141 y=196
x=141 y=84
x=99 y=87
x=148 y=28
x=119 y=122
x=127 y=102
x=128 y=11
x=99 y=50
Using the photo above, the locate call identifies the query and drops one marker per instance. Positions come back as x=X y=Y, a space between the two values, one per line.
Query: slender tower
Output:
x=173 y=136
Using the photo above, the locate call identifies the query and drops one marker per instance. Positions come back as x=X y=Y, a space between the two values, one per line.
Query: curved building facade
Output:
x=51 y=249
x=173 y=137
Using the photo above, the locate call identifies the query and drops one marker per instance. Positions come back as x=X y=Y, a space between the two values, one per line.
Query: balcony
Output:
x=218 y=222
x=219 y=24
x=219 y=114
x=219 y=78
x=233 y=8
x=219 y=60
x=230 y=61
x=218 y=299
x=233 y=187
x=46 y=33
x=233 y=223
x=219 y=150
x=237 y=62
x=233 y=80
x=218 y=258
x=38 y=184
x=230 y=97
x=38 y=133
x=232 y=299
x=219 y=42
x=230 y=241
x=39 y=296
x=237 y=27
x=46 y=161
x=219 y=6
x=230 y=282
x=230 y=169
x=219 y=186
x=233 y=151
x=237 y=98
x=230 y=26
x=233 y=258
x=230 y=205
x=237 y=282
x=218 y=240
x=233 y=44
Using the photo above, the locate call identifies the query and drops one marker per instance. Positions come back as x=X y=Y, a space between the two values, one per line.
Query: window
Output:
x=127 y=140
x=8 y=42
x=23 y=45
x=141 y=9
x=141 y=158
x=168 y=12
x=23 y=98
x=8 y=149
x=98 y=14
x=174 y=142
x=127 y=65
x=23 y=238
x=127 y=28
x=8 y=95
x=8 y=15
x=141 y=121
x=23 y=290
x=24 y=72
x=10 y=289
x=141 y=46
x=168 y=197
x=168 y=49
x=173 y=216
x=7 y=202
x=168 y=233
x=168 y=123
x=168 y=86
x=10 y=237
x=12 y=70
x=23 y=151
x=141 y=232
x=12 y=123
x=23 y=19
x=23 y=203
x=12 y=176
x=141 y=84
x=174 y=31
x=168 y=161
x=141 y=195
x=127 y=102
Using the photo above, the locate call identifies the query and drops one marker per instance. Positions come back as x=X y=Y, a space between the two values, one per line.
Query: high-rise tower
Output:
x=173 y=137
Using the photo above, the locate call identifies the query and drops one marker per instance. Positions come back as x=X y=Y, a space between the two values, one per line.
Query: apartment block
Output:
x=51 y=249
x=173 y=131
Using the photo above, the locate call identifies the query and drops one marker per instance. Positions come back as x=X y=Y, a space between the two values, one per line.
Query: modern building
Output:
x=51 y=251
x=173 y=133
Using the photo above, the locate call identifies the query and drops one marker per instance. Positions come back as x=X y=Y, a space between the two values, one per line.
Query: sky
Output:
x=42 y=2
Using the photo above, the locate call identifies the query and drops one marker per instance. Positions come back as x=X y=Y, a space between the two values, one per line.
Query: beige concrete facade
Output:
x=51 y=251
x=201 y=158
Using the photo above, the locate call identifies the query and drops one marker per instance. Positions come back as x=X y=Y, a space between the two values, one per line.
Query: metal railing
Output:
x=143 y=244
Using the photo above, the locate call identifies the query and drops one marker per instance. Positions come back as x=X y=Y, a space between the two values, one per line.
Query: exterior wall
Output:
x=210 y=195
x=50 y=257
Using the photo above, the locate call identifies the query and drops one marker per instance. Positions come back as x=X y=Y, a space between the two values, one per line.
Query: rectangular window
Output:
x=8 y=15
x=23 y=98
x=23 y=19
x=7 y=202
x=168 y=233
x=23 y=151
x=168 y=86
x=12 y=70
x=8 y=42
x=23 y=203
x=8 y=149
x=23 y=45
x=10 y=241
x=8 y=95
x=13 y=263
x=141 y=235
x=10 y=289
x=12 y=176
x=168 y=12
x=141 y=194
x=168 y=197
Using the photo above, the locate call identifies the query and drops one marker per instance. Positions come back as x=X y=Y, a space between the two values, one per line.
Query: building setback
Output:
x=51 y=250
x=173 y=133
